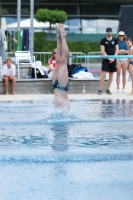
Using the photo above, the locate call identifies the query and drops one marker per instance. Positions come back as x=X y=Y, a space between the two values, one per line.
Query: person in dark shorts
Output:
x=109 y=46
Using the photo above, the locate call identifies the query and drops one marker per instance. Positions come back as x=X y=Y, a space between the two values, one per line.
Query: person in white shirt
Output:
x=9 y=75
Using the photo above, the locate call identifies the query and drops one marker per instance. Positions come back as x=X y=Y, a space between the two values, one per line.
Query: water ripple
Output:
x=67 y=158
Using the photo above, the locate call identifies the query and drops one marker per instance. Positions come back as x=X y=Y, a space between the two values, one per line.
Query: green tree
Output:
x=51 y=16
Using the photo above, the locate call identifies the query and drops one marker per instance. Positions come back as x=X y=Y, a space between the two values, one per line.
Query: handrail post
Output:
x=70 y=59
x=31 y=28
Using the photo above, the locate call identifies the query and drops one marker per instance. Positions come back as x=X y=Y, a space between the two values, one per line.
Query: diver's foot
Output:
x=13 y=93
x=62 y=30
x=57 y=30
x=6 y=93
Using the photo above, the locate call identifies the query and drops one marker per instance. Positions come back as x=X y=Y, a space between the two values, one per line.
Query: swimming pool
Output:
x=87 y=154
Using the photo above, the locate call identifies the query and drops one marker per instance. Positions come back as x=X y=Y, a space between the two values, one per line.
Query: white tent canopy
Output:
x=3 y=23
x=26 y=24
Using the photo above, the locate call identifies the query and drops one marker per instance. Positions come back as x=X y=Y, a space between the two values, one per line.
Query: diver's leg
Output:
x=131 y=74
x=64 y=47
x=118 y=75
x=58 y=57
x=63 y=71
x=124 y=67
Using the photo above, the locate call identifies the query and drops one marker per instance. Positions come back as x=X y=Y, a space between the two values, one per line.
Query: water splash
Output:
x=62 y=117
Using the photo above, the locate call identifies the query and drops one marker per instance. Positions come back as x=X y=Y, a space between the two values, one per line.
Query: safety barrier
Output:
x=42 y=56
x=94 y=63
x=73 y=58
x=93 y=58
x=11 y=55
x=105 y=57
x=45 y=56
x=97 y=59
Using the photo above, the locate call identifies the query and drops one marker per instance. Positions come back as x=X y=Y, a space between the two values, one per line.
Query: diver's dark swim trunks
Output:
x=58 y=86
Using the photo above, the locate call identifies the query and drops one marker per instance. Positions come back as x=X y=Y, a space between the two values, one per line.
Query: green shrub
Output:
x=43 y=45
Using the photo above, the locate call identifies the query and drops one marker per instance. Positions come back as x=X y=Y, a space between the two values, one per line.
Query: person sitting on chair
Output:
x=52 y=63
x=60 y=72
x=9 y=75
x=52 y=60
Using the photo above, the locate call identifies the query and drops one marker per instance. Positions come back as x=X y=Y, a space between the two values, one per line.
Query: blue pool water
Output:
x=86 y=155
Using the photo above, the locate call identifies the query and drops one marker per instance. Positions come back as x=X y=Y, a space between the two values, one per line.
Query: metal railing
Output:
x=77 y=60
x=11 y=55
x=94 y=63
x=96 y=60
x=45 y=56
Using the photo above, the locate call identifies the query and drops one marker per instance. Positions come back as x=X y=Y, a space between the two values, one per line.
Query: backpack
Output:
x=75 y=68
x=39 y=74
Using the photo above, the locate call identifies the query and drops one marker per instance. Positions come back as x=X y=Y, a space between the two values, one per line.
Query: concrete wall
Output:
x=44 y=86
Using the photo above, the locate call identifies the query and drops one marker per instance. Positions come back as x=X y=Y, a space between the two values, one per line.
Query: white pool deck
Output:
x=115 y=95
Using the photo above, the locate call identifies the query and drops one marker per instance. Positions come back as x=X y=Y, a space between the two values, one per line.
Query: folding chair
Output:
x=25 y=58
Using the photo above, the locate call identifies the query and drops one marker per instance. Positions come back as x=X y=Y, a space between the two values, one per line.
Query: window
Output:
x=10 y=20
x=98 y=25
x=73 y=22
x=8 y=9
x=73 y=25
x=102 y=24
x=25 y=10
x=89 y=26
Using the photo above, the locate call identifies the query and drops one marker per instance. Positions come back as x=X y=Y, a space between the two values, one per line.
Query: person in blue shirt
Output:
x=121 y=62
x=129 y=43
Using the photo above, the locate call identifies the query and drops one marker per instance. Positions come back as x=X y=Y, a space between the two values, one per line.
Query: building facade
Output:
x=84 y=16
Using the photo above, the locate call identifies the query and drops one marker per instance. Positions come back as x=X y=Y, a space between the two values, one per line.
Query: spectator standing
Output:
x=9 y=75
x=109 y=46
x=129 y=43
x=121 y=62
